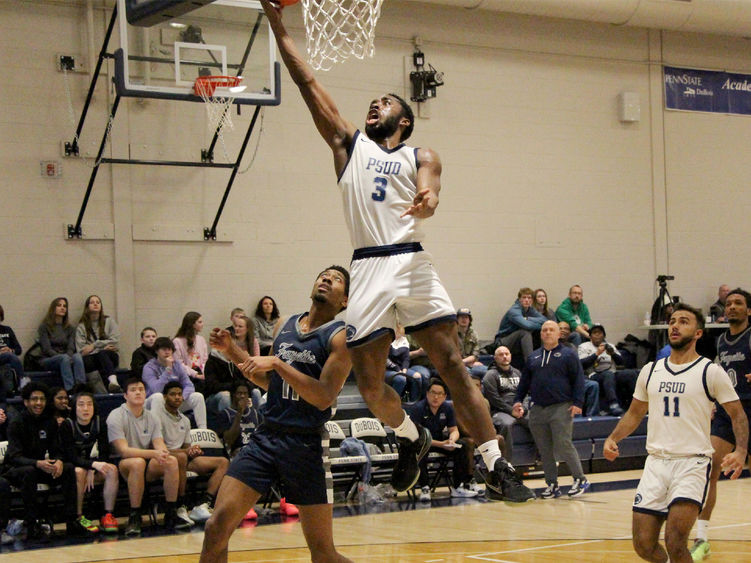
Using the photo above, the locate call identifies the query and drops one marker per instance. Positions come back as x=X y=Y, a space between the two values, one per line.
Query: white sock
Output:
x=490 y=453
x=407 y=429
x=113 y=379
x=702 y=530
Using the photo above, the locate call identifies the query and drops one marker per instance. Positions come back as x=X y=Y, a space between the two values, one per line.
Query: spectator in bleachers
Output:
x=32 y=436
x=499 y=388
x=540 y=303
x=10 y=349
x=86 y=446
x=144 y=352
x=266 y=317
x=554 y=379
x=238 y=422
x=7 y=534
x=591 y=388
x=234 y=314
x=221 y=373
x=598 y=358
x=469 y=344
x=191 y=349
x=575 y=312
x=397 y=363
x=57 y=342
x=520 y=325
x=165 y=368
x=190 y=457
x=717 y=309
x=3 y=415
x=136 y=436
x=98 y=341
x=59 y=405
x=437 y=415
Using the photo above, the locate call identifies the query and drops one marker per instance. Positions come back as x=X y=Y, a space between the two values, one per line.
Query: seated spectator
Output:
x=598 y=359
x=191 y=349
x=10 y=349
x=553 y=377
x=575 y=312
x=499 y=388
x=32 y=437
x=59 y=405
x=397 y=365
x=57 y=342
x=234 y=314
x=78 y=436
x=540 y=304
x=591 y=405
x=266 y=317
x=220 y=373
x=8 y=534
x=419 y=361
x=437 y=415
x=238 y=422
x=98 y=341
x=469 y=344
x=136 y=436
x=520 y=323
x=144 y=352
x=717 y=309
x=165 y=368
x=3 y=416
x=176 y=433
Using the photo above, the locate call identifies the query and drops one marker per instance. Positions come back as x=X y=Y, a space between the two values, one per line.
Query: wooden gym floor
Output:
x=594 y=527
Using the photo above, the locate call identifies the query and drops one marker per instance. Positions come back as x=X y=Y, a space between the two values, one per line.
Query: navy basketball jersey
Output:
x=734 y=353
x=378 y=185
x=84 y=440
x=307 y=353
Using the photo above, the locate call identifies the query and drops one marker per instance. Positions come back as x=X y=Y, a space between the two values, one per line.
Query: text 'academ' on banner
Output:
x=707 y=90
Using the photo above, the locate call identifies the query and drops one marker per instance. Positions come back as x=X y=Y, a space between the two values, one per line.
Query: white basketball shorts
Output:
x=668 y=480
x=402 y=287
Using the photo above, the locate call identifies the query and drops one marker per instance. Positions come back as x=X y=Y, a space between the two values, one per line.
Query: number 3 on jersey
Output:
x=380 y=188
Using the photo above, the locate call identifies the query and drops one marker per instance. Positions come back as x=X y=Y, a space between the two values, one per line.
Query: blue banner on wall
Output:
x=706 y=90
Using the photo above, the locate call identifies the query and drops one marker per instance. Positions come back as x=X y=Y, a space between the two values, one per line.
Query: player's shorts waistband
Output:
x=386 y=250
x=285 y=429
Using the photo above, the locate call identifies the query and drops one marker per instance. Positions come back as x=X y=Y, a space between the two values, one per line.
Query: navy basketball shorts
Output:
x=722 y=425
x=294 y=460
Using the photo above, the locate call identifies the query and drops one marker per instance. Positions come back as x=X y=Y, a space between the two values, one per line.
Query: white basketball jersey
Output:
x=680 y=401
x=378 y=185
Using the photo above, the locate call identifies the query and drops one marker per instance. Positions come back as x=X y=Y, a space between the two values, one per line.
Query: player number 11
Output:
x=676 y=410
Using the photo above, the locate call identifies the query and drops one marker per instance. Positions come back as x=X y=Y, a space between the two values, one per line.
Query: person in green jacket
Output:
x=575 y=312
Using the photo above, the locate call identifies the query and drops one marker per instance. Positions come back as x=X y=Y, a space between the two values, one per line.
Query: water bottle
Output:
x=647 y=318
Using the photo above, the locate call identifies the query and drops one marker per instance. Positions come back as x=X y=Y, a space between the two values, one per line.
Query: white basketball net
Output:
x=336 y=30
x=217 y=99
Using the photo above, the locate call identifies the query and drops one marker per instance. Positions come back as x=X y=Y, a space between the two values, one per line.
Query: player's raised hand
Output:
x=610 y=449
x=423 y=205
x=732 y=464
x=220 y=339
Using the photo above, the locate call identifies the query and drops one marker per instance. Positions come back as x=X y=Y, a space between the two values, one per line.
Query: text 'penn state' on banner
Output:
x=707 y=90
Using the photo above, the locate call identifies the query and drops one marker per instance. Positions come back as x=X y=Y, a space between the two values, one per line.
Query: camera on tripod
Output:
x=661 y=279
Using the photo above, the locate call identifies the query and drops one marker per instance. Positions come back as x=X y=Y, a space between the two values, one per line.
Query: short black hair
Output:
x=440 y=383
x=132 y=380
x=171 y=385
x=343 y=271
x=240 y=383
x=84 y=393
x=32 y=386
x=693 y=310
x=743 y=293
x=152 y=329
x=408 y=113
x=163 y=342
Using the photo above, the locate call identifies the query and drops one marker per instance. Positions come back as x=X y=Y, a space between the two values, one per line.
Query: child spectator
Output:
x=144 y=352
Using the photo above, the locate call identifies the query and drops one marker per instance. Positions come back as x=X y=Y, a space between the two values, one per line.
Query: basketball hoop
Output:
x=336 y=30
x=218 y=103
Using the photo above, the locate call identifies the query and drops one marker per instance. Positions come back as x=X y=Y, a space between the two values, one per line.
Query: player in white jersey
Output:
x=387 y=190
x=679 y=393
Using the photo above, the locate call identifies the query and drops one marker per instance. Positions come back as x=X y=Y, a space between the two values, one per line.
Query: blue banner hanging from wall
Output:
x=707 y=90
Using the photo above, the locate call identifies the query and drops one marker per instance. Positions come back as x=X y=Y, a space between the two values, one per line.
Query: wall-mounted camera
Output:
x=424 y=82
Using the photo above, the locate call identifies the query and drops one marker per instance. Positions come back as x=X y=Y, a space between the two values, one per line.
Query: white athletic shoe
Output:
x=183 y=520
x=200 y=512
x=462 y=491
x=425 y=494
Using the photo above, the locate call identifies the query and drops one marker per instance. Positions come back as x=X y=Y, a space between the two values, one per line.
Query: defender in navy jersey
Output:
x=679 y=392
x=388 y=189
x=734 y=355
x=303 y=377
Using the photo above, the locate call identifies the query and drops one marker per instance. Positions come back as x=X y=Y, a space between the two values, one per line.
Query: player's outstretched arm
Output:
x=732 y=464
x=335 y=130
x=625 y=427
x=428 y=185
